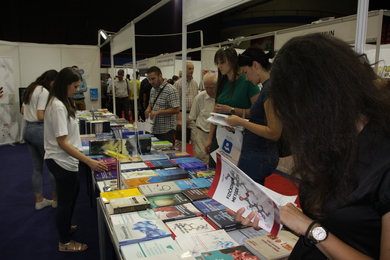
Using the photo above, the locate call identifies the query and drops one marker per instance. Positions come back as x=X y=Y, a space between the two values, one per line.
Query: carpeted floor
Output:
x=30 y=234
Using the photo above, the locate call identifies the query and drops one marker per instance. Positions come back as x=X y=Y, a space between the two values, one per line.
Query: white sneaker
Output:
x=54 y=204
x=43 y=204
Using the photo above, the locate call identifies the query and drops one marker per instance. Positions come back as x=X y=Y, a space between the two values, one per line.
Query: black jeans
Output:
x=168 y=136
x=68 y=187
x=123 y=104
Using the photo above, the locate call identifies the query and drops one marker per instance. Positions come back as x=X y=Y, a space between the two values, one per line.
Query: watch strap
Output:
x=308 y=240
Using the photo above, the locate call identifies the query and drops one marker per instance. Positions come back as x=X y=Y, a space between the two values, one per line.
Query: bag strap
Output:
x=166 y=83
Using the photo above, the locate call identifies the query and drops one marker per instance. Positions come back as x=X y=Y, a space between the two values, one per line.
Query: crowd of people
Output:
x=335 y=118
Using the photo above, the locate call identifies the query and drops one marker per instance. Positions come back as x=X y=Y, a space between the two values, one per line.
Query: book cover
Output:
x=160 y=164
x=152 y=157
x=167 y=200
x=192 y=165
x=223 y=220
x=178 y=155
x=234 y=189
x=208 y=205
x=127 y=167
x=130 y=159
x=189 y=226
x=162 y=188
x=203 y=242
x=192 y=183
x=131 y=217
x=196 y=194
x=170 y=213
x=140 y=231
x=186 y=160
x=136 y=182
x=233 y=253
x=107 y=196
x=155 y=247
x=170 y=174
x=128 y=204
x=201 y=173
x=160 y=144
x=270 y=247
x=100 y=146
x=138 y=173
x=239 y=235
x=101 y=176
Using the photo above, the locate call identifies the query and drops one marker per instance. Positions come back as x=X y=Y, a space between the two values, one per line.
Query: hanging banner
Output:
x=9 y=128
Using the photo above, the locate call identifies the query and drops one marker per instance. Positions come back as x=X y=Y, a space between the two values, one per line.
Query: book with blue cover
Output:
x=186 y=160
x=152 y=157
x=178 y=155
x=192 y=165
x=208 y=205
x=170 y=174
x=192 y=183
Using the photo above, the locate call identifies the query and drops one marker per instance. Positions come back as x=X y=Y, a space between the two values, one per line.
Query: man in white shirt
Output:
x=202 y=105
x=191 y=92
x=122 y=92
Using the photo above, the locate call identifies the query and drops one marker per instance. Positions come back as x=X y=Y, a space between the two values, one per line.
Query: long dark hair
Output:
x=321 y=89
x=44 y=80
x=60 y=89
x=227 y=54
x=256 y=53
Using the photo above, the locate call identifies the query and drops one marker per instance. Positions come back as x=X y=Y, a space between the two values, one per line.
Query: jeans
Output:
x=258 y=165
x=33 y=136
x=68 y=187
x=168 y=136
x=123 y=104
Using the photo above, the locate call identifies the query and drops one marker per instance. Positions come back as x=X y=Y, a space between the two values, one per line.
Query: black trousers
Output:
x=68 y=187
x=123 y=104
x=168 y=136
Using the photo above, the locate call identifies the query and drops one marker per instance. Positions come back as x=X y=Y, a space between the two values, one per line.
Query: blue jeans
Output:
x=68 y=187
x=258 y=165
x=33 y=136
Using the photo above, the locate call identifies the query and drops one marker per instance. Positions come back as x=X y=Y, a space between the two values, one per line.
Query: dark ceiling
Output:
x=78 y=22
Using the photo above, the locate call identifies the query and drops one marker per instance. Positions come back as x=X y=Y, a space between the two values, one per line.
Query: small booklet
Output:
x=234 y=189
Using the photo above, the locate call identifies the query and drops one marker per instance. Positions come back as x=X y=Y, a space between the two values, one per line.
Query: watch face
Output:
x=319 y=233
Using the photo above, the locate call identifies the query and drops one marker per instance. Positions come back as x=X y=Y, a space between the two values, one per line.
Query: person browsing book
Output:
x=234 y=95
x=63 y=153
x=259 y=154
x=338 y=125
x=33 y=110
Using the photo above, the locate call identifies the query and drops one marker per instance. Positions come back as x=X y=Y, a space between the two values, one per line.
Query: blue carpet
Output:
x=30 y=234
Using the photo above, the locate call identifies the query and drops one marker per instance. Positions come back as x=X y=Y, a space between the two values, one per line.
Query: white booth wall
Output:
x=30 y=60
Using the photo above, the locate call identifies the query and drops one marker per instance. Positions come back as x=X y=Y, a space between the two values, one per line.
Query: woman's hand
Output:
x=233 y=120
x=294 y=219
x=97 y=166
x=222 y=109
x=248 y=220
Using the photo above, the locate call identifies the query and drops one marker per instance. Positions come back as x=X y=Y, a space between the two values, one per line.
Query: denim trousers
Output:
x=258 y=165
x=68 y=187
x=33 y=137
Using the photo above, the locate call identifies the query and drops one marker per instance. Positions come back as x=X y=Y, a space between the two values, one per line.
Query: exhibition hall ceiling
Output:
x=78 y=22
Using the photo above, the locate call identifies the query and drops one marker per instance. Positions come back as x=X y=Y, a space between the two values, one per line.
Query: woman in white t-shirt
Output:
x=33 y=109
x=63 y=153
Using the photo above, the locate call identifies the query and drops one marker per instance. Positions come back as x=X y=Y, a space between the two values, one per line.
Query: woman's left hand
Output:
x=248 y=220
x=222 y=109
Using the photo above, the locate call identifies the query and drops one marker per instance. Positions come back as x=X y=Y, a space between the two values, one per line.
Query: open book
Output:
x=219 y=119
x=234 y=189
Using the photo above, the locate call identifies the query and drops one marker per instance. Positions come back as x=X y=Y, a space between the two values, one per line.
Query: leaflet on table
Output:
x=219 y=119
x=234 y=189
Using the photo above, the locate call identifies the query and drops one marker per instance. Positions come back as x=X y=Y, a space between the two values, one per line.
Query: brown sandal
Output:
x=72 y=246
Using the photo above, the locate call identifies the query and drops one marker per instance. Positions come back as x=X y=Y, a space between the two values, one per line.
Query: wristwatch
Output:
x=232 y=111
x=315 y=233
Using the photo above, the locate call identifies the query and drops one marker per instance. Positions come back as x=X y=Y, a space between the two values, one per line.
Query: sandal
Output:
x=72 y=247
x=72 y=229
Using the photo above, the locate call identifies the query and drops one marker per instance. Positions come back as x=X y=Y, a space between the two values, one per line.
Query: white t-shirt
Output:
x=57 y=124
x=37 y=102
